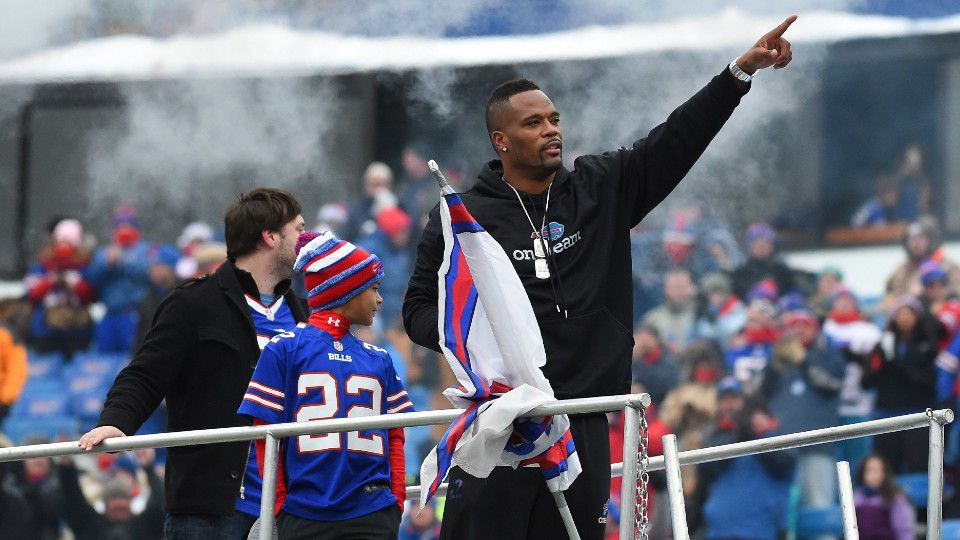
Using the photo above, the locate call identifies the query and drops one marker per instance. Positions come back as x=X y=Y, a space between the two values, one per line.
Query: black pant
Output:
x=516 y=504
x=382 y=524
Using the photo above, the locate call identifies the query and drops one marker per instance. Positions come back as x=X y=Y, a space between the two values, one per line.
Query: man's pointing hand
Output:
x=770 y=50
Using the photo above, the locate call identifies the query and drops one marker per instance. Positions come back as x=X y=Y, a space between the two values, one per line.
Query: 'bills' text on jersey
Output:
x=306 y=374
x=268 y=321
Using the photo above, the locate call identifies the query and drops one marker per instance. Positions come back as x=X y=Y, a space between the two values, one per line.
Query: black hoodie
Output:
x=585 y=309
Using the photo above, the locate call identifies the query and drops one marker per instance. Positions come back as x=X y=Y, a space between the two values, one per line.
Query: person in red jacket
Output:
x=59 y=294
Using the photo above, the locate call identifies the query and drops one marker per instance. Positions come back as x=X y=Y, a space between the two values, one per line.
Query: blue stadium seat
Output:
x=915 y=486
x=827 y=520
x=41 y=398
x=18 y=429
x=951 y=529
x=46 y=365
x=92 y=363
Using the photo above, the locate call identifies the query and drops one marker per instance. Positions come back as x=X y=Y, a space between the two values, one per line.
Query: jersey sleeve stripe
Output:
x=261 y=401
x=398 y=408
x=266 y=389
x=398 y=395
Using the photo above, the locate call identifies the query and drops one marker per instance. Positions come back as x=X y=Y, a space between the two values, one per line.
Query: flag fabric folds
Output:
x=490 y=337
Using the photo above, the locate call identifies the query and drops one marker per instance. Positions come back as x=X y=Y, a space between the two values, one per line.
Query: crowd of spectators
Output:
x=731 y=343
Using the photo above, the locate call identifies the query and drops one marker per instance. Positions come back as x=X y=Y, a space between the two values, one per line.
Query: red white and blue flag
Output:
x=490 y=337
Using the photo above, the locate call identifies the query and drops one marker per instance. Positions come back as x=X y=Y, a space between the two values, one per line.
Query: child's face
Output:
x=363 y=308
x=873 y=473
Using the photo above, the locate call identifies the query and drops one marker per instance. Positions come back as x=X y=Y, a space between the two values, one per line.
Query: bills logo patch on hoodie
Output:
x=554 y=230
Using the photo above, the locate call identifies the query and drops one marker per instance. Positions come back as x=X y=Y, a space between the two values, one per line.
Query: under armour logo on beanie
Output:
x=335 y=270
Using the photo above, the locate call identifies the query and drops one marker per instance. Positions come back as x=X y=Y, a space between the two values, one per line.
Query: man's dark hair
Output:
x=502 y=94
x=262 y=209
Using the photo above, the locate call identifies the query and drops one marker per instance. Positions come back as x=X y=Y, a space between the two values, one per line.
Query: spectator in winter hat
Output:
x=846 y=330
x=801 y=385
x=765 y=289
x=791 y=302
x=762 y=262
x=120 y=273
x=751 y=350
x=60 y=295
x=939 y=301
x=723 y=315
x=922 y=242
x=901 y=370
x=332 y=217
x=193 y=236
x=678 y=242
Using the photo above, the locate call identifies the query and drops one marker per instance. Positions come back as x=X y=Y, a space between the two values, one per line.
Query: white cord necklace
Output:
x=540 y=266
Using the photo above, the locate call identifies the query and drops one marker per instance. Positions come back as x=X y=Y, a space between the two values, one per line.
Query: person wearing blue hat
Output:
x=762 y=263
x=120 y=273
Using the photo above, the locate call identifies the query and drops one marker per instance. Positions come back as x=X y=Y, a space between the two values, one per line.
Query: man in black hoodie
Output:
x=568 y=235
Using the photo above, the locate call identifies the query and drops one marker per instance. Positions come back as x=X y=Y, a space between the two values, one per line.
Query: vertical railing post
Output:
x=935 y=475
x=678 y=510
x=269 y=493
x=847 y=507
x=628 y=483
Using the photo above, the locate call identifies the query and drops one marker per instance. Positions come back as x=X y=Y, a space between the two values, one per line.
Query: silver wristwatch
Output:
x=738 y=73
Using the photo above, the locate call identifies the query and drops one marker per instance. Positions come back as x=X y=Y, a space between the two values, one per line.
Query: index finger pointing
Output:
x=778 y=31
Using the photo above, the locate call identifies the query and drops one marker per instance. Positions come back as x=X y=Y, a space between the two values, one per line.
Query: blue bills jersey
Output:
x=268 y=322
x=306 y=375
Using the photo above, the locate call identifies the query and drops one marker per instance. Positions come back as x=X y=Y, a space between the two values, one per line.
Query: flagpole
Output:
x=565 y=515
x=445 y=188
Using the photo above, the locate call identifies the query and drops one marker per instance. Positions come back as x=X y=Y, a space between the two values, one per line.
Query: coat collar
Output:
x=230 y=284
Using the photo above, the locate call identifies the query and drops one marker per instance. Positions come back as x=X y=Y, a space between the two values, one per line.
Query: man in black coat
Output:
x=200 y=354
x=568 y=235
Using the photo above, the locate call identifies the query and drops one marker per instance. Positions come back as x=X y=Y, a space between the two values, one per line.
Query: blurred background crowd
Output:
x=731 y=343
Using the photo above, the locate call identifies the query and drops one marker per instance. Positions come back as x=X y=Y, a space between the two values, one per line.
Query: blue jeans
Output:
x=234 y=526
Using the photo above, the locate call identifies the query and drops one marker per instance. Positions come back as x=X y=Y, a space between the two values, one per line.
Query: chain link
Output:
x=640 y=529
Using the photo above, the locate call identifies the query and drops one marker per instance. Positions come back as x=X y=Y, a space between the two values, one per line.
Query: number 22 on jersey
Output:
x=326 y=384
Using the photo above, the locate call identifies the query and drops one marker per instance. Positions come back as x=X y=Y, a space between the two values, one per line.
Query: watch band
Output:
x=738 y=73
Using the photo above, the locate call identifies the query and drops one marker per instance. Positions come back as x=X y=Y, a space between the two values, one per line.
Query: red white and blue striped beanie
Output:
x=335 y=270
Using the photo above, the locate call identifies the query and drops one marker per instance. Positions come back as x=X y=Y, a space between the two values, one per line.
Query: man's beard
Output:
x=286 y=259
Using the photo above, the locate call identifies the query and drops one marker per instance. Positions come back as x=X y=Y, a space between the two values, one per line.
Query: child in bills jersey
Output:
x=337 y=485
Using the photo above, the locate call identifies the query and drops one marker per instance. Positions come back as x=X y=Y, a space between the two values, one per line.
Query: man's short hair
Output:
x=501 y=96
x=261 y=209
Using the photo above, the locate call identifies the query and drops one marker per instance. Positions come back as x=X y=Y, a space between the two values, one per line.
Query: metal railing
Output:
x=632 y=405
x=933 y=420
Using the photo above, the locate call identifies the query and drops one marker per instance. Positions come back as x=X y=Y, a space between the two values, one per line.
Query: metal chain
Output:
x=640 y=529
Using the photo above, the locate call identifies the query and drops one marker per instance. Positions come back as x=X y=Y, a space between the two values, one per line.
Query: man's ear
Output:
x=269 y=238
x=499 y=140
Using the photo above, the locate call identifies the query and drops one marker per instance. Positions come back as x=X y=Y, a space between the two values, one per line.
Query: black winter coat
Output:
x=199 y=354
x=591 y=212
